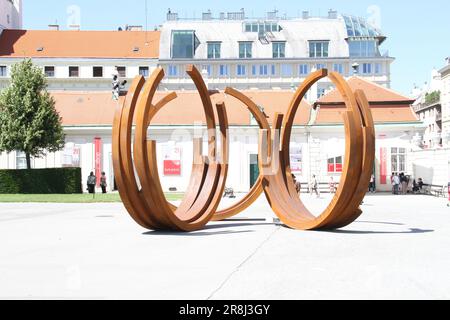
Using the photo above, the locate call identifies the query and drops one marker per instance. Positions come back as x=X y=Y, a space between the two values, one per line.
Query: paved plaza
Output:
x=398 y=249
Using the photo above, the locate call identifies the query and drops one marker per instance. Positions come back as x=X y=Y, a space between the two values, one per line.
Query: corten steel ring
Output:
x=147 y=204
x=359 y=155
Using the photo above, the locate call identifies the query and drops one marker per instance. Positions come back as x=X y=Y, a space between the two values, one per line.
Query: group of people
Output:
x=314 y=185
x=92 y=182
x=400 y=183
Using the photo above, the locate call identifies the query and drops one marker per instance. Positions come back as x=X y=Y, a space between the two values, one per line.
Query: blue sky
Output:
x=418 y=32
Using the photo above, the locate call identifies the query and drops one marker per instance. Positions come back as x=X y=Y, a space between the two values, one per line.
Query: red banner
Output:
x=98 y=159
x=172 y=168
x=383 y=166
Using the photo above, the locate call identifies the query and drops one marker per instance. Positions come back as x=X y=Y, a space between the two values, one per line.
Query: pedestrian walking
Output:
x=332 y=186
x=372 y=184
x=91 y=181
x=103 y=183
x=314 y=186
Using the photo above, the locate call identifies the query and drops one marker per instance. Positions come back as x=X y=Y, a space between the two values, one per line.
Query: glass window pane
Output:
x=325 y=49
x=394 y=165
x=182 y=44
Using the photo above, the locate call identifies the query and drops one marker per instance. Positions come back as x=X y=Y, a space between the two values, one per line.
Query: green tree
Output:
x=29 y=121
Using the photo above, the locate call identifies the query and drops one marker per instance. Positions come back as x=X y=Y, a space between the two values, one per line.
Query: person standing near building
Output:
x=332 y=186
x=91 y=181
x=372 y=184
x=404 y=183
x=448 y=191
x=298 y=185
x=314 y=186
x=103 y=183
x=396 y=183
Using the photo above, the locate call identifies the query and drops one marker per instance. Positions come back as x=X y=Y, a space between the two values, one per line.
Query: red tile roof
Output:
x=386 y=105
x=97 y=108
x=375 y=93
x=79 y=44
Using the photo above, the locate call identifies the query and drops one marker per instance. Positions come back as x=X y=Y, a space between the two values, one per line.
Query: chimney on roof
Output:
x=172 y=16
x=207 y=15
x=54 y=27
x=332 y=14
x=305 y=15
x=448 y=60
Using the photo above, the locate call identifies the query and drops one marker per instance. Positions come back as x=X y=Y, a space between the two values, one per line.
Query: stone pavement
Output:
x=398 y=249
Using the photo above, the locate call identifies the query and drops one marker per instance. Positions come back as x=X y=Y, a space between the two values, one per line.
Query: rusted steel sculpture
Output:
x=147 y=205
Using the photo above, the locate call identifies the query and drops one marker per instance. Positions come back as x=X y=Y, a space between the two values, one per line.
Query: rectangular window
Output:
x=303 y=69
x=253 y=70
x=122 y=71
x=286 y=70
x=223 y=70
x=241 y=70
x=214 y=50
x=144 y=71
x=97 y=72
x=318 y=49
x=273 y=70
x=184 y=43
x=279 y=49
x=245 y=50
x=262 y=27
x=398 y=160
x=320 y=92
x=173 y=70
x=320 y=66
x=74 y=72
x=338 y=67
x=335 y=165
x=2 y=71
x=378 y=68
x=21 y=160
x=367 y=68
x=207 y=68
x=263 y=70
x=49 y=71
x=363 y=48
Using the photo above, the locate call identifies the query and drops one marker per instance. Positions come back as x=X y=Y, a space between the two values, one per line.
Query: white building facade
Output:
x=272 y=52
x=445 y=99
x=10 y=14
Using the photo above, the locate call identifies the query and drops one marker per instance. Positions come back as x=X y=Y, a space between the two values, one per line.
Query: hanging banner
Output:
x=383 y=166
x=71 y=155
x=98 y=159
x=172 y=160
x=296 y=158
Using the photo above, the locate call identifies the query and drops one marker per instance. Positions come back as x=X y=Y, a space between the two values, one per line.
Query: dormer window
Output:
x=184 y=44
